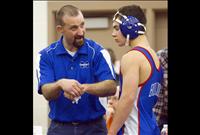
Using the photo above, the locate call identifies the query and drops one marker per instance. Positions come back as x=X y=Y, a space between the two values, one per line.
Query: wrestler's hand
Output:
x=111 y=133
x=85 y=87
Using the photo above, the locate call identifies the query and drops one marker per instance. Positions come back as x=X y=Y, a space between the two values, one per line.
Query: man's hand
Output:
x=71 y=88
x=69 y=96
x=85 y=87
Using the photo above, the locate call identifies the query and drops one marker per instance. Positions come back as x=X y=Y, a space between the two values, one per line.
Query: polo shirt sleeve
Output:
x=44 y=70
x=103 y=67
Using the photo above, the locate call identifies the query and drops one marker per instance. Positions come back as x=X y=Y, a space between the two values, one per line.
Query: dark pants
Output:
x=96 y=127
x=163 y=120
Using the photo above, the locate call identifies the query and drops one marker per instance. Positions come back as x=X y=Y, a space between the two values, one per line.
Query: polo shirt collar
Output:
x=84 y=48
x=61 y=50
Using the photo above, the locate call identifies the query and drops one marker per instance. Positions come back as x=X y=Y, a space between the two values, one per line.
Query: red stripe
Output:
x=150 y=55
x=149 y=63
x=139 y=111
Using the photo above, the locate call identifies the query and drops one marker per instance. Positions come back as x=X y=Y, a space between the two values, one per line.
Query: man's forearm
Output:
x=102 y=89
x=51 y=90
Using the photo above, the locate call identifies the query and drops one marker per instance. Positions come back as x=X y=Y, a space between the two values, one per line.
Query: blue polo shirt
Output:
x=90 y=64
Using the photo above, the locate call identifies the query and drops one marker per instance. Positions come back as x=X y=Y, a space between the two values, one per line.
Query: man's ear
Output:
x=59 y=28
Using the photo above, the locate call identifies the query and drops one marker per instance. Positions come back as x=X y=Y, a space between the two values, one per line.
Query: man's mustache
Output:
x=79 y=37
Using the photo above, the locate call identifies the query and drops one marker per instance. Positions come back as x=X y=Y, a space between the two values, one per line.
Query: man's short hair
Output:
x=69 y=10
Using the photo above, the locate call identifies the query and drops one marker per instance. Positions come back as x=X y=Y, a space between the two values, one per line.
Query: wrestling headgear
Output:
x=129 y=25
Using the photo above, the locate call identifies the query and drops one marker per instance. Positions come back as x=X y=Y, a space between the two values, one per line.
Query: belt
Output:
x=78 y=123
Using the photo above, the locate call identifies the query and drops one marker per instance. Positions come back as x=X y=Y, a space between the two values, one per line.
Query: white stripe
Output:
x=92 y=50
x=103 y=101
x=38 y=66
x=106 y=55
x=131 y=124
x=49 y=49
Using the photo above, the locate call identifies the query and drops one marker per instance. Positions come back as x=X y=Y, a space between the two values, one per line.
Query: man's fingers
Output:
x=69 y=96
x=77 y=89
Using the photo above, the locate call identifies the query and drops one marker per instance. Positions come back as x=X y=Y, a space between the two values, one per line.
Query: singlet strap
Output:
x=147 y=54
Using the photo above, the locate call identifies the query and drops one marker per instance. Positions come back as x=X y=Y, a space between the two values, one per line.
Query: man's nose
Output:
x=80 y=31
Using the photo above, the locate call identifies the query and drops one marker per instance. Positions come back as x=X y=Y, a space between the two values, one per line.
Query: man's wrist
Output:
x=110 y=132
x=86 y=87
x=59 y=84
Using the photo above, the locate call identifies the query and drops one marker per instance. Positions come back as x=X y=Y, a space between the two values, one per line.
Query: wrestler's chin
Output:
x=120 y=45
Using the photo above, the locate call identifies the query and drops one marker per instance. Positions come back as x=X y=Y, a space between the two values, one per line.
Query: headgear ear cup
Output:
x=131 y=25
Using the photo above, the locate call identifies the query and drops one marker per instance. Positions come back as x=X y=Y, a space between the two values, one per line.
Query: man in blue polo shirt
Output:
x=73 y=73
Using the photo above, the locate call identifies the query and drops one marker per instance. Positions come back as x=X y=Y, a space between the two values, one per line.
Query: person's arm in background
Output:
x=130 y=71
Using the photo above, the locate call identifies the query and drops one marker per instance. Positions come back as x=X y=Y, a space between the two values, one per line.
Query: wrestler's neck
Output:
x=140 y=41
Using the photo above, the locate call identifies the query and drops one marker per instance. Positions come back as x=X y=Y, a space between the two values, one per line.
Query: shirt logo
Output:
x=83 y=64
x=155 y=89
